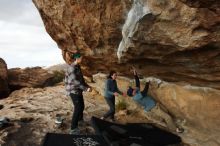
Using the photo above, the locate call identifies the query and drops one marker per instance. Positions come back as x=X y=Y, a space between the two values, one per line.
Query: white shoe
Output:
x=59 y=120
x=75 y=131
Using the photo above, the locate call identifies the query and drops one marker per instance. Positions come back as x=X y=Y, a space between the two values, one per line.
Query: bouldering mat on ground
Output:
x=133 y=134
x=53 y=139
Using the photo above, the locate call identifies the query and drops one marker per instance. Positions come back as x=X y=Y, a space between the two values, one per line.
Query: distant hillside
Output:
x=58 y=67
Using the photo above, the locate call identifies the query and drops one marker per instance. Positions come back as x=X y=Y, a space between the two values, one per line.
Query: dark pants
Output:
x=78 y=103
x=111 y=104
x=137 y=82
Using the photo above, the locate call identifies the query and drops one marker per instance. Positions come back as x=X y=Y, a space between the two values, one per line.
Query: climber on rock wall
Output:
x=151 y=107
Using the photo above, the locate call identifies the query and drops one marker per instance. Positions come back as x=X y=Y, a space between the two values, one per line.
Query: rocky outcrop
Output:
x=83 y=25
x=213 y=4
x=168 y=39
x=29 y=77
x=32 y=113
x=174 y=40
x=92 y=27
x=196 y=109
x=4 y=90
x=58 y=67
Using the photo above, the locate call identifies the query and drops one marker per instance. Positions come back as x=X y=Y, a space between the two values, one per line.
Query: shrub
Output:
x=121 y=105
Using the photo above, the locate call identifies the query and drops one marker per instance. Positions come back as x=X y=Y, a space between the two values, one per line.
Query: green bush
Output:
x=121 y=105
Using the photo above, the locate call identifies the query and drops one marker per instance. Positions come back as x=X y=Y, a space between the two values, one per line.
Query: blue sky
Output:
x=24 y=41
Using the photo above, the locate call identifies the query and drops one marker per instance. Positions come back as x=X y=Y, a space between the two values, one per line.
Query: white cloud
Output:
x=19 y=11
x=23 y=39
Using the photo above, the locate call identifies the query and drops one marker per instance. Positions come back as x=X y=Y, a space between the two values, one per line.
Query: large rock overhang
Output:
x=171 y=40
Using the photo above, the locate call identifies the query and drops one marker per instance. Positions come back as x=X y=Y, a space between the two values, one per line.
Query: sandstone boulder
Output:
x=32 y=113
x=29 y=77
x=213 y=4
x=168 y=39
x=195 y=109
x=4 y=90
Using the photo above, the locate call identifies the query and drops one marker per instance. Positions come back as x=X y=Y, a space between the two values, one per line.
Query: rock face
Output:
x=203 y=3
x=199 y=109
x=93 y=27
x=4 y=90
x=173 y=40
x=196 y=109
x=29 y=77
x=168 y=39
x=32 y=113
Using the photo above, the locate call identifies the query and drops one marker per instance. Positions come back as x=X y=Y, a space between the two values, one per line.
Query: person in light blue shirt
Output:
x=139 y=96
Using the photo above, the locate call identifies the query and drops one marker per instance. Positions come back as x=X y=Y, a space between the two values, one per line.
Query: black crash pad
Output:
x=133 y=134
x=53 y=139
